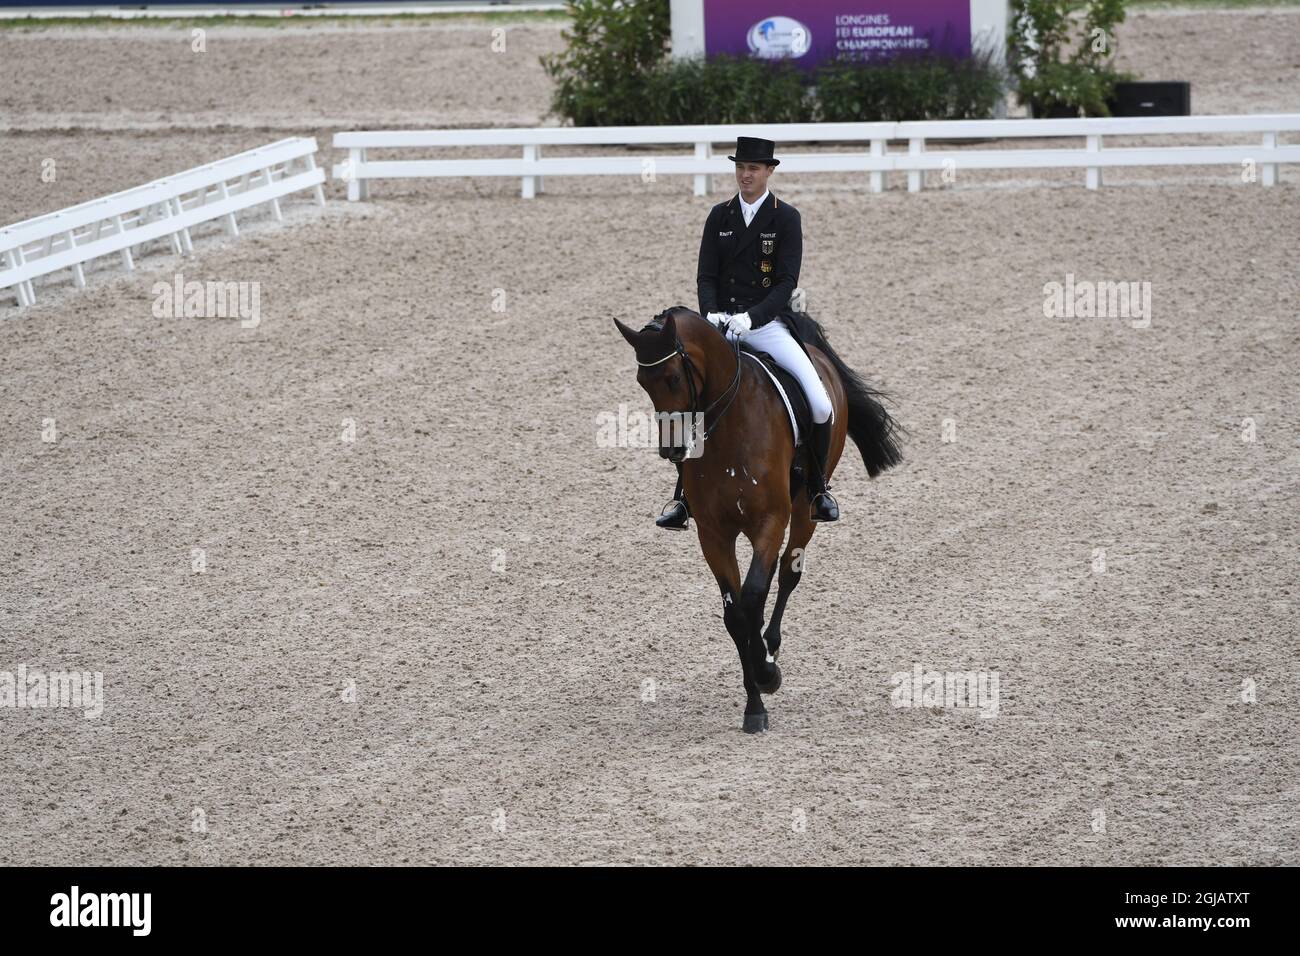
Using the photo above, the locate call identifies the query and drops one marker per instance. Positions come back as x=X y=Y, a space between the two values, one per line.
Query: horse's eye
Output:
x=673 y=380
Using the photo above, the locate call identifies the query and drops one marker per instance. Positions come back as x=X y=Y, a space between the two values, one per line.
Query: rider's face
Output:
x=752 y=179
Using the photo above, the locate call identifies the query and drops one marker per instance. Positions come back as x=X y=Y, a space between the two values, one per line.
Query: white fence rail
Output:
x=876 y=160
x=165 y=208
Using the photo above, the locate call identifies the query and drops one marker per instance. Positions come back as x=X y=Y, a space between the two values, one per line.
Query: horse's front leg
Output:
x=720 y=552
x=766 y=540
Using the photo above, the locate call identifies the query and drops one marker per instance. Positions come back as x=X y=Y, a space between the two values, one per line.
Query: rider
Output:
x=749 y=266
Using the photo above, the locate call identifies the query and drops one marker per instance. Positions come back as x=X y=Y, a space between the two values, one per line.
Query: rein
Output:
x=730 y=394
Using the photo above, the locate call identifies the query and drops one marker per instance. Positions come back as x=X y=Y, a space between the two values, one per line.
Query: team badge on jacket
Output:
x=766 y=265
x=768 y=246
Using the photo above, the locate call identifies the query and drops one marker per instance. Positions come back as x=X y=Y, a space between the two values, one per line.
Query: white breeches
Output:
x=775 y=339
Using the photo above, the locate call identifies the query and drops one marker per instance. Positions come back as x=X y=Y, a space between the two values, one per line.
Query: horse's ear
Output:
x=628 y=334
x=669 y=331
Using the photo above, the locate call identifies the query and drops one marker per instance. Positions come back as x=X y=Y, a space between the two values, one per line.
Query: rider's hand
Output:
x=739 y=323
x=717 y=318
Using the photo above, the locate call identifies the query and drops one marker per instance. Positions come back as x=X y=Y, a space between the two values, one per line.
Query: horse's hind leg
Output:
x=792 y=562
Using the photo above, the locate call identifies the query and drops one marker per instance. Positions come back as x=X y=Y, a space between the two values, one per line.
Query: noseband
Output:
x=691 y=371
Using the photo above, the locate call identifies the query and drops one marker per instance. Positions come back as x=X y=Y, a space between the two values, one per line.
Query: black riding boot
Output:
x=824 y=507
x=675 y=513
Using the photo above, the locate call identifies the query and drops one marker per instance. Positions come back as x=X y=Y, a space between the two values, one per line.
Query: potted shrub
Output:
x=1063 y=62
x=611 y=45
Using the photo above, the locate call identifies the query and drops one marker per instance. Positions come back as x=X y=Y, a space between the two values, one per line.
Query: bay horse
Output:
x=744 y=482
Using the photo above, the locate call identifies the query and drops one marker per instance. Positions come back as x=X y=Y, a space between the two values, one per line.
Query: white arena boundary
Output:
x=1266 y=153
x=168 y=207
x=175 y=12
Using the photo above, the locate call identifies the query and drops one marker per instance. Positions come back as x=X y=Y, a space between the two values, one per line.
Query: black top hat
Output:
x=752 y=150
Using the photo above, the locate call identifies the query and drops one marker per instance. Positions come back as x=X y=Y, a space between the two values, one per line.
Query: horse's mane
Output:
x=657 y=323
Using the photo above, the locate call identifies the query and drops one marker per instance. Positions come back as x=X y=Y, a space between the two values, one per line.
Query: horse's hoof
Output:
x=755 y=723
x=775 y=685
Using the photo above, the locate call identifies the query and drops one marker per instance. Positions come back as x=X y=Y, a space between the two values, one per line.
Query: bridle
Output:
x=691 y=371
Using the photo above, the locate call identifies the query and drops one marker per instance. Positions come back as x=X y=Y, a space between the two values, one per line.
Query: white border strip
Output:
x=290 y=12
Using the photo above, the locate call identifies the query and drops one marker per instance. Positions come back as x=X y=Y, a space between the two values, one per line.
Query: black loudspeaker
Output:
x=1152 y=99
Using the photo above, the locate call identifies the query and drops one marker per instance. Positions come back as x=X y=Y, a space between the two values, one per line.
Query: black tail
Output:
x=870 y=426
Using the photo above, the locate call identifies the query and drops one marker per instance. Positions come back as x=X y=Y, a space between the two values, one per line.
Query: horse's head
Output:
x=672 y=368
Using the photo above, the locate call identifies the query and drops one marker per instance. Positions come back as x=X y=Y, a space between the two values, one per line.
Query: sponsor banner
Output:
x=813 y=31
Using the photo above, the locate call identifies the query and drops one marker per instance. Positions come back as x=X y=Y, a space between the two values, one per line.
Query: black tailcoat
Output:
x=750 y=269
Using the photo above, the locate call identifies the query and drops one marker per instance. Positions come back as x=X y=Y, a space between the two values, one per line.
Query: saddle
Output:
x=787 y=386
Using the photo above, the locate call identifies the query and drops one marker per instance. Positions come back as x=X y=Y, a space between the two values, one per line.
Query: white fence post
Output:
x=530 y=182
x=26 y=294
x=165 y=212
x=358 y=185
x=1268 y=175
x=126 y=250
x=78 y=273
x=915 y=177
x=877 y=175
x=232 y=227
x=275 y=203
x=1094 y=172
x=187 y=242
x=703 y=180
x=309 y=163
x=353 y=177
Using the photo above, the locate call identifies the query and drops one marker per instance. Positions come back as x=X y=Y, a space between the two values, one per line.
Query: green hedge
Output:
x=728 y=89
x=724 y=90
x=927 y=87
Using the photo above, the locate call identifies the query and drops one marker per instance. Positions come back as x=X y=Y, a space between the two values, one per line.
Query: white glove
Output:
x=739 y=323
x=717 y=318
